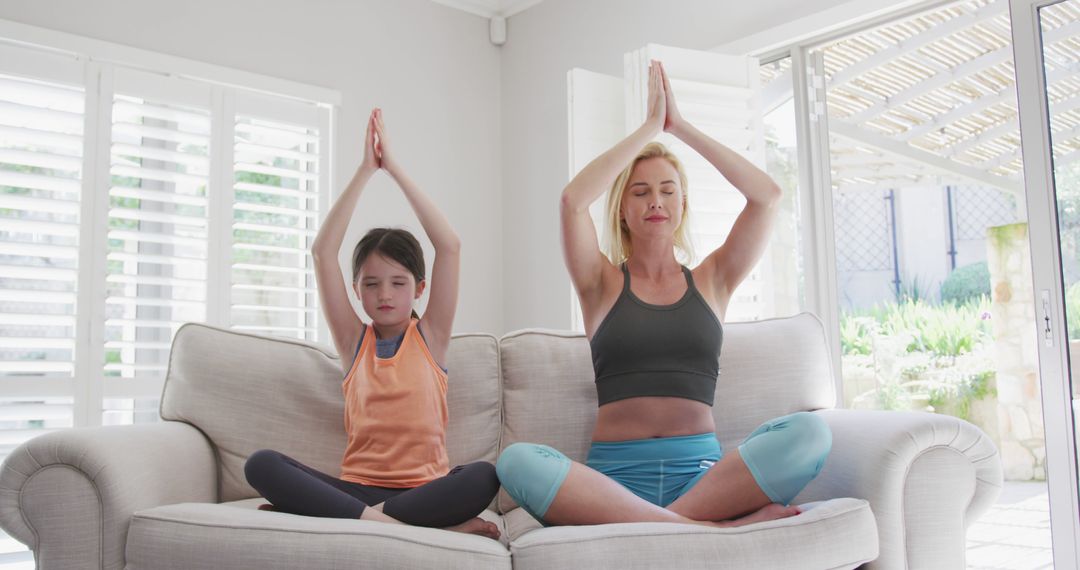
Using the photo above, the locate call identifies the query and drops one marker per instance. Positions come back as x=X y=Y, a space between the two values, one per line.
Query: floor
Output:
x=1015 y=533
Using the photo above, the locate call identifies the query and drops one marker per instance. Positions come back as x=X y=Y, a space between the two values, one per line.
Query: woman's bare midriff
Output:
x=652 y=416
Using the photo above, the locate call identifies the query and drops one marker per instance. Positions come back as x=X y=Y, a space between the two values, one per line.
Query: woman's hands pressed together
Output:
x=657 y=105
x=673 y=121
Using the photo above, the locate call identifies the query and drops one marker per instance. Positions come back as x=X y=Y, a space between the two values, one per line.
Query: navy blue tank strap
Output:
x=359 y=343
x=625 y=278
x=689 y=277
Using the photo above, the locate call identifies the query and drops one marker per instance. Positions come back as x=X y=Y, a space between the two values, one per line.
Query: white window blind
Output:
x=718 y=94
x=157 y=240
x=41 y=164
x=132 y=202
x=276 y=185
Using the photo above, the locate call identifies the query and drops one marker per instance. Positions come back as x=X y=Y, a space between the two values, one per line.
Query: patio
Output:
x=1015 y=533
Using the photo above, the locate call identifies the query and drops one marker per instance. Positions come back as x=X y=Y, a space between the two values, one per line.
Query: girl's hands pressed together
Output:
x=382 y=145
x=370 y=162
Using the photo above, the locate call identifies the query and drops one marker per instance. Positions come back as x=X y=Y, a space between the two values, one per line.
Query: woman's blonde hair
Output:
x=617 y=236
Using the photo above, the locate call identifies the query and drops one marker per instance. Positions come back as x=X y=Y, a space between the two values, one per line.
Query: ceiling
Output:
x=490 y=8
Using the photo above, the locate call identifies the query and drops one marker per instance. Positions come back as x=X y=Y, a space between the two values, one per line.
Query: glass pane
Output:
x=932 y=258
x=786 y=288
x=1061 y=45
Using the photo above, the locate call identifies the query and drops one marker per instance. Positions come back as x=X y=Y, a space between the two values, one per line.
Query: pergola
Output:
x=931 y=100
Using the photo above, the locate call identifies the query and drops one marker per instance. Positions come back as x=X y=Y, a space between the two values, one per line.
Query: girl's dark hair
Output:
x=394 y=244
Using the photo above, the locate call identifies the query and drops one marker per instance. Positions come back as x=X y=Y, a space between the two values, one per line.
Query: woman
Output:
x=654 y=328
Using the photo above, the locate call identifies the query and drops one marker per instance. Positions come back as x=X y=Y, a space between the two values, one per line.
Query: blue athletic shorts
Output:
x=658 y=470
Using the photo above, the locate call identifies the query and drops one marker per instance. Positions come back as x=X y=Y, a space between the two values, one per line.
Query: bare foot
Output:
x=769 y=512
x=477 y=526
x=266 y=507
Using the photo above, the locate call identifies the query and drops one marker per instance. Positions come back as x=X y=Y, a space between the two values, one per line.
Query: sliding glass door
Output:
x=1048 y=92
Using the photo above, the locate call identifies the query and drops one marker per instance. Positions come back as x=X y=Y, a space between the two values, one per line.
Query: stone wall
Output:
x=1019 y=409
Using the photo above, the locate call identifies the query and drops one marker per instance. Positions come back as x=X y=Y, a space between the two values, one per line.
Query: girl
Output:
x=395 y=467
x=654 y=328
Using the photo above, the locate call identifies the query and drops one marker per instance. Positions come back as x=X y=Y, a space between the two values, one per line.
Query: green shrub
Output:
x=955 y=399
x=966 y=284
x=1072 y=310
x=857 y=334
x=912 y=292
x=942 y=330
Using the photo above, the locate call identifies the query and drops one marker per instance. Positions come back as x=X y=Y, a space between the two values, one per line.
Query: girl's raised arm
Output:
x=438 y=320
x=345 y=325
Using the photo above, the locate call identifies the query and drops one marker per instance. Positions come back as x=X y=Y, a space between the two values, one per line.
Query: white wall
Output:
x=923 y=236
x=482 y=129
x=431 y=69
x=543 y=43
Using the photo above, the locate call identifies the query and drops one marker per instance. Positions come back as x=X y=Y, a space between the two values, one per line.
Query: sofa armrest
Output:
x=69 y=495
x=926 y=476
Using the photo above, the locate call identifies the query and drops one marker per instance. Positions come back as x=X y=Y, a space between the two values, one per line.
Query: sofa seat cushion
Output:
x=839 y=533
x=237 y=535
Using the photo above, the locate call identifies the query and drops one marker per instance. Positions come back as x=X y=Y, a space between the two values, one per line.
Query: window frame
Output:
x=95 y=65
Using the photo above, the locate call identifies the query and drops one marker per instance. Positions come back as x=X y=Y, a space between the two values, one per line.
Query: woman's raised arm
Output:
x=581 y=250
x=730 y=263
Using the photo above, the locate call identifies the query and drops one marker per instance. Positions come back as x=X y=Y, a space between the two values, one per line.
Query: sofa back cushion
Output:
x=767 y=369
x=248 y=392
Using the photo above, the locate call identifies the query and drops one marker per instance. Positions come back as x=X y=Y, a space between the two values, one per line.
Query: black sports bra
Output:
x=642 y=349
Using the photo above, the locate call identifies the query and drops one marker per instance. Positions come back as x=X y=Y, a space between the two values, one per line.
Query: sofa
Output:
x=897 y=491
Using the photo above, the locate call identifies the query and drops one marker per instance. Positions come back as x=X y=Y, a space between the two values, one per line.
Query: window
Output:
x=132 y=202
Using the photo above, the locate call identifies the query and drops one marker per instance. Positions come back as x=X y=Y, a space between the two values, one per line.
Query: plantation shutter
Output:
x=41 y=187
x=279 y=182
x=157 y=239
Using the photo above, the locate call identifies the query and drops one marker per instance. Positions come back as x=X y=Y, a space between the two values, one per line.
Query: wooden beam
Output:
x=1006 y=95
x=966 y=69
x=946 y=166
x=1011 y=155
x=912 y=44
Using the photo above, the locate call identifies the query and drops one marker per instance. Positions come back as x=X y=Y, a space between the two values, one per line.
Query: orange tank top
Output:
x=395 y=415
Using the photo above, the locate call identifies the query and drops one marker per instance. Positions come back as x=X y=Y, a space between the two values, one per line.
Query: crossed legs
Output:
x=751 y=484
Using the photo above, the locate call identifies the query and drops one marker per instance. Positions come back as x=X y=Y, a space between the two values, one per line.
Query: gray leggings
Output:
x=293 y=487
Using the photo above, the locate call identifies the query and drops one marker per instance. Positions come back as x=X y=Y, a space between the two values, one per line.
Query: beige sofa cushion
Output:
x=248 y=392
x=771 y=368
x=834 y=534
x=192 y=536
